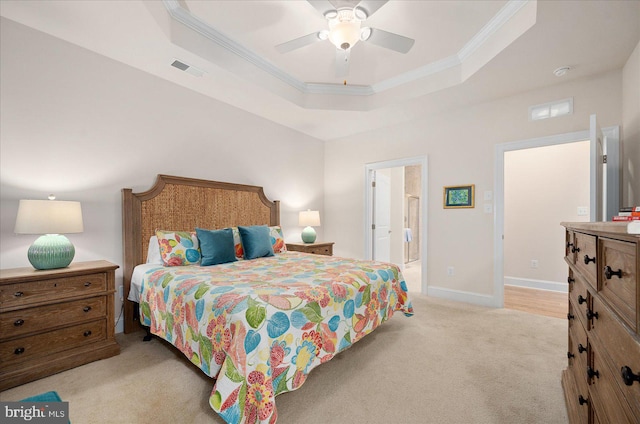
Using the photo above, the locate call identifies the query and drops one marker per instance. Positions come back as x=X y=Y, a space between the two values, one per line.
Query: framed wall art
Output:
x=462 y=196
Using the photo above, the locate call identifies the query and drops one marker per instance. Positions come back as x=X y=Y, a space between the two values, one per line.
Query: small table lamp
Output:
x=309 y=219
x=51 y=218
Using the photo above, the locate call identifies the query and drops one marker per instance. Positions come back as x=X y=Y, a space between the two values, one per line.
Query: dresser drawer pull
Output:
x=608 y=272
x=18 y=322
x=570 y=355
x=571 y=280
x=570 y=317
x=569 y=244
x=581 y=299
x=87 y=284
x=587 y=259
x=628 y=376
x=18 y=351
x=574 y=249
x=581 y=349
x=86 y=308
x=593 y=373
x=18 y=294
x=87 y=333
x=582 y=400
x=591 y=315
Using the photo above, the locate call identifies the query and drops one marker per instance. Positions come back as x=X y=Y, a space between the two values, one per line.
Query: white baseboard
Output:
x=463 y=296
x=537 y=284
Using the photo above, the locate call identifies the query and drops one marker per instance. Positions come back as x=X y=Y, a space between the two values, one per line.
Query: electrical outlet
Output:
x=451 y=271
x=583 y=211
x=534 y=263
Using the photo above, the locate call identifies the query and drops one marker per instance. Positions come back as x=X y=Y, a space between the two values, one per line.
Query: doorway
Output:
x=395 y=217
x=611 y=139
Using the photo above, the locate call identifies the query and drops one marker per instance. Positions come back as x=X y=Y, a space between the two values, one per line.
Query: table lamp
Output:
x=52 y=219
x=309 y=219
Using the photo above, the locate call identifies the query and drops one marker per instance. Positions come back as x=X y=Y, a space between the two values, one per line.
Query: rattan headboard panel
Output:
x=182 y=204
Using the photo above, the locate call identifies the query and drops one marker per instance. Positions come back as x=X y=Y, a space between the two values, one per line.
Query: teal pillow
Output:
x=216 y=246
x=256 y=241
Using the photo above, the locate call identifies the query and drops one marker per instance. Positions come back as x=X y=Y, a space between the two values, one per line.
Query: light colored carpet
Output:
x=450 y=363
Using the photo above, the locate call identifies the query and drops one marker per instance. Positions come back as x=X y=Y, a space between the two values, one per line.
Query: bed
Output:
x=257 y=326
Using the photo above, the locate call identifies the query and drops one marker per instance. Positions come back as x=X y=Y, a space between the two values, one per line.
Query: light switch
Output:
x=488 y=195
x=488 y=208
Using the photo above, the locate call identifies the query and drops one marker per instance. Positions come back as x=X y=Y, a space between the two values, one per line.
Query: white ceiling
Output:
x=465 y=52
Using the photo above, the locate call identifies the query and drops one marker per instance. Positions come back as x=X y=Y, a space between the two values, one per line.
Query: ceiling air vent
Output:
x=187 y=68
x=551 y=110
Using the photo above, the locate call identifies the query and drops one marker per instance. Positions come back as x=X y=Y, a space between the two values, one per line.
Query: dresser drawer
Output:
x=586 y=249
x=578 y=347
x=577 y=400
x=606 y=397
x=619 y=278
x=42 y=345
x=580 y=300
x=622 y=350
x=38 y=319
x=19 y=294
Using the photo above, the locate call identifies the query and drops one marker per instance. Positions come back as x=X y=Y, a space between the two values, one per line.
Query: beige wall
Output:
x=631 y=130
x=543 y=186
x=460 y=147
x=82 y=126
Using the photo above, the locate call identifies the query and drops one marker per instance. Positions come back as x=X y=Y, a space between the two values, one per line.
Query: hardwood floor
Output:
x=540 y=302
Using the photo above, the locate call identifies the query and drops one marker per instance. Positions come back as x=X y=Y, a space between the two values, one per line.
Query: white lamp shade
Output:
x=48 y=217
x=309 y=218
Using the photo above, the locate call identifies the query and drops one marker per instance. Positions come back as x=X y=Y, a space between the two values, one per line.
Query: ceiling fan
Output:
x=345 y=20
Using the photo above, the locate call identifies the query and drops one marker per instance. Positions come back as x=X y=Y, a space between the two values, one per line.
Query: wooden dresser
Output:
x=54 y=320
x=318 y=248
x=602 y=380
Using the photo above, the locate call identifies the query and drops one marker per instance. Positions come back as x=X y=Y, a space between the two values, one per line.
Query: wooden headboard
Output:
x=182 y=204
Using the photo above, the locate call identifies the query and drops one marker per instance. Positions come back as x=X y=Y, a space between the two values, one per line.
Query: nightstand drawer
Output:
x=42 y=345
x=321 y=250
x=42 y=318
x=20 y=294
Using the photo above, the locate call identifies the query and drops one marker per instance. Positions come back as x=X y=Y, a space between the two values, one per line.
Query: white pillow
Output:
x=153 y=253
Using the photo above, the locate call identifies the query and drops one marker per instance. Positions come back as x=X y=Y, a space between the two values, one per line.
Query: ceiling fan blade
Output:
x=342 y=62
x=322 y=6
x=391 y=41
x=296 y=43
x=371 y=6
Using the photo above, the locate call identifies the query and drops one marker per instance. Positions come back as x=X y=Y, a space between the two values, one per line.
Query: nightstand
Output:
x=54 y=320
x=315 y=248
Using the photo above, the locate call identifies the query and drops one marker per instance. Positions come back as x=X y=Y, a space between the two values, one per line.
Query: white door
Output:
x=381 y=217
x=598 y=188
x=605 y=171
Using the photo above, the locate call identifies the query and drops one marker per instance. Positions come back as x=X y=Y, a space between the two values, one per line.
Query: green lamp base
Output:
x=308 y=235
x=51 y=251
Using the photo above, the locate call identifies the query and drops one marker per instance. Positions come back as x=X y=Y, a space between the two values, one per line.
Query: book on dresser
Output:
x=602 y=380
x=54 y=320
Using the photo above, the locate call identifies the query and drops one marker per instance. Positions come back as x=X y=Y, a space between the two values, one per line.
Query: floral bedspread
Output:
x=260 y=326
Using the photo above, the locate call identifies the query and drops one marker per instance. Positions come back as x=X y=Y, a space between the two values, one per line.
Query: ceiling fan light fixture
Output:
x=344 y=31
x=360 y=13
x=365 y=33
x=331 y=14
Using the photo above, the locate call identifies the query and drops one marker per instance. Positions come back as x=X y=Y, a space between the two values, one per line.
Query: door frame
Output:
x=368 y=208
x=612 y=134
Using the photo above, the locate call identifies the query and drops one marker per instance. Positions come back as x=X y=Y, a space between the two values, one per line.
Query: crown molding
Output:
x=508 y=11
